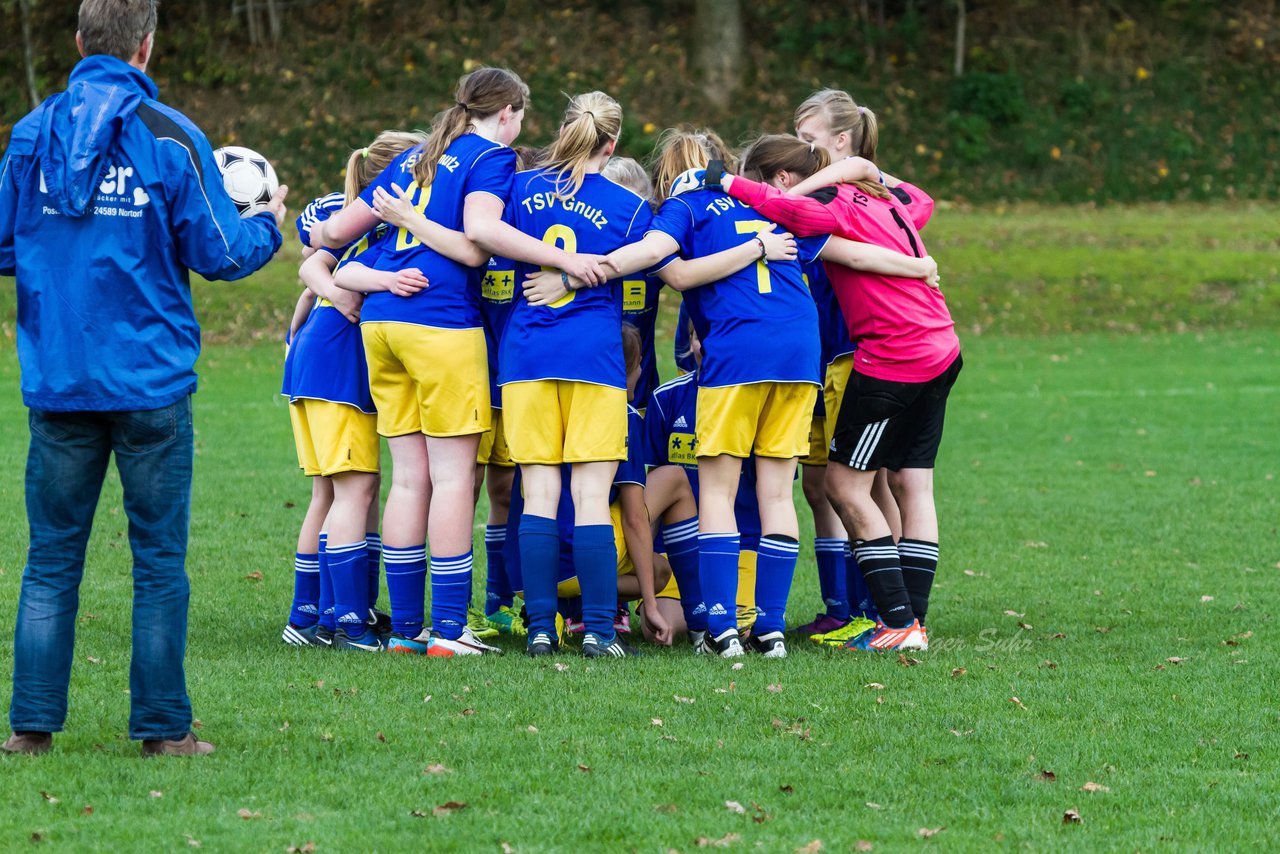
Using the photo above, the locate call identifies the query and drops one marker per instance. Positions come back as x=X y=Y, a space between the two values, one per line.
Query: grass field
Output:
x=1103 y=631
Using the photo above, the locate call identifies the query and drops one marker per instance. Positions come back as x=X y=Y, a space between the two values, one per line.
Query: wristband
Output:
x=564 y=280
x=763 y=251
x=712 y=175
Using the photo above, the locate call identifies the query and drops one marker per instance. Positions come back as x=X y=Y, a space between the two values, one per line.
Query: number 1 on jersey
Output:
x=755 y=226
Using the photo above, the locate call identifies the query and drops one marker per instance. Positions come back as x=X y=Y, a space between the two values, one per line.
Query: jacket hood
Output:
x=80 y=127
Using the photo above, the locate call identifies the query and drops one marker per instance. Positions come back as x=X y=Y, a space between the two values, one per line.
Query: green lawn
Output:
x=1110 y=560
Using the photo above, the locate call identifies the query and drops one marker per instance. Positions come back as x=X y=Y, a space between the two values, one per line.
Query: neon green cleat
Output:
x=479 y=625
x=506 y=621
x=838 y=638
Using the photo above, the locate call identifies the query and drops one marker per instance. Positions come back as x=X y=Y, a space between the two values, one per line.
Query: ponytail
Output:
x=366 y=164
x=843 y=115
x=480 y=94
x=684 y=148
x=777 y=152
x=591 y=122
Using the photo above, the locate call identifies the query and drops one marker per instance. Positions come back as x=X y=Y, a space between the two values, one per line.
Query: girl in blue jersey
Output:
x=335 y=427
x=428 y=366
x=563 y=378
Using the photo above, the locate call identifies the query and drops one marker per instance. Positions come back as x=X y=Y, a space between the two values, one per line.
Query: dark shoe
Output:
x=188 y=745
x=30 y=743
x=541 y=644
x=593 y=647
x=770 y=645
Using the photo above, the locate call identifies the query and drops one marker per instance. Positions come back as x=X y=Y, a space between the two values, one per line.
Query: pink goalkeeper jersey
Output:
x=902 y=327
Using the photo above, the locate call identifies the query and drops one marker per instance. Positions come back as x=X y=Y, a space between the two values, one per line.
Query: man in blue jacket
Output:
x=107 y=199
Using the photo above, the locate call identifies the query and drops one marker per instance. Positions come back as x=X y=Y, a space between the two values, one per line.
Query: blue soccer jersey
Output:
x=327 y=361
x=640 y=308
x=579 y=336
x=471 y=164
x=671 y=438
x=683 y=343
x=758 y=324
x=832 y=330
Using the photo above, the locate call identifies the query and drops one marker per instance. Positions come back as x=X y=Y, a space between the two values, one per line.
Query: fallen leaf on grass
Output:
x=760 y=816
x=507 y=848
x=680 y=699
x=1102 y=630
x=666 y=808
x=248 y=815
x=193 y=842
x=88 y=810
x=426 y=699
x=1094 y=787
x=1206 y=598
x=92 y=660
x=466 y=713
x=812 y=848
x=723 y=842
x=328 y=736
x=156 y=793
x=787 y=790
x=1241 y=756
x=880 y=700
x=1072 y=817
x=1017 y=703
x=907 y=662
x=437 y=768
x=448 y=808
x=929 y=832
x=874 y=686
x=256 y=575
x=306 y=848
x=862 y=845
x=380 y=737
x=1175 y=660
x=561 y=667
x=1049 y=664
x=1047 y=776
x=958 y=672
x=1013 y=614
x=773 y=688
x=873 y=806
x=585 y=769
x=1026 y=627
x=656 y=721
x=734 y=806
x=737 y=665
x=48 y=797
x=531 y=728
x=972 y=574
x=958 y=734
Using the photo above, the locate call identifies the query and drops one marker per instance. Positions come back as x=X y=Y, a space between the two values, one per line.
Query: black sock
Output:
x=879 y=562
x=919 y=563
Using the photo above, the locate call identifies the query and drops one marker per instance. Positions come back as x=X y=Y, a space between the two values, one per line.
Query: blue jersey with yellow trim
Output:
x=640 y=308
x=832 y=330
x=579 y=336
x=471 y=164
x=630 y=470
x=758 y=324
x=497 y=295
x=683 y=343
x=671 y=438
x=327 y=356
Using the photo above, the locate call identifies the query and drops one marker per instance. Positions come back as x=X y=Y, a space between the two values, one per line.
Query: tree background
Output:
x=1117 y=100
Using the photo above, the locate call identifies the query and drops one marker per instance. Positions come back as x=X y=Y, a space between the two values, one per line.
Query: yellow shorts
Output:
x=833 y=395
x=746 y=586
x=570 y=588
x=549 y=422
x=425 y=379
x=767 y=419
x=332 y=438
x=493 y=445
x=817 y=455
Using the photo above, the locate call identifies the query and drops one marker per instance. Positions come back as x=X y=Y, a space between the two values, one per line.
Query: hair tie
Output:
x=364 y=152
x=462 y=105
x=862 y=111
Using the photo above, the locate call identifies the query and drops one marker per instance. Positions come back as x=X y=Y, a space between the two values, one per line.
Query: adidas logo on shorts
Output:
x=680 y=422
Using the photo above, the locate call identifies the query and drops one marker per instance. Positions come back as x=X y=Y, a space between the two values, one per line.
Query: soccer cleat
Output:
x=821 y=624
x=465 y=644
x=698 y=637
x=380 y=623
x=593 y=647
x=846 y=633
x=366 y=641
x=885 y=639
x=313 y=635
x=406 y=645
x=770 y=645
x=728 y=645
x=622 y=620
x=479 y=625
x=506 y=621
x=541 y=644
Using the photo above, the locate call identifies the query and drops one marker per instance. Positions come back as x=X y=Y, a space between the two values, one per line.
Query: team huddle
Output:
x=490 y=311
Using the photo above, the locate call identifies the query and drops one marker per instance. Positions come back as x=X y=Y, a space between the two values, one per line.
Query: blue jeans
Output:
x=65 y=468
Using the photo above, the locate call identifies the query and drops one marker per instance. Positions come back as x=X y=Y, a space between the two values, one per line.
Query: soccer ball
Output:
x=248 y=177
x=688 y=181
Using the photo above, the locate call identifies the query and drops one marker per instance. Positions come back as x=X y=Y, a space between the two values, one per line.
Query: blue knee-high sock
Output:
x=306 y=590
x=325 y=604
x=775 y=567
x=832 y=581
x=539 y=564
x=373 y=550
x=450 y=593
x=406 y=587
x=681 y=540
x=497 y=590
x=860 y=602
x=595 y=560
x=349 y=567
x=718 y=576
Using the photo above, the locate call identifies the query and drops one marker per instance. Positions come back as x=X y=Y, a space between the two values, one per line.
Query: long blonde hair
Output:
x=365 y=164
x=843 y=115
x=592 y=120
x=684 y=148
x=480 y=94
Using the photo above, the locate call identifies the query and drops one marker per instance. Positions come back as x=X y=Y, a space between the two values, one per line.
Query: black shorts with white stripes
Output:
x=891 y=425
